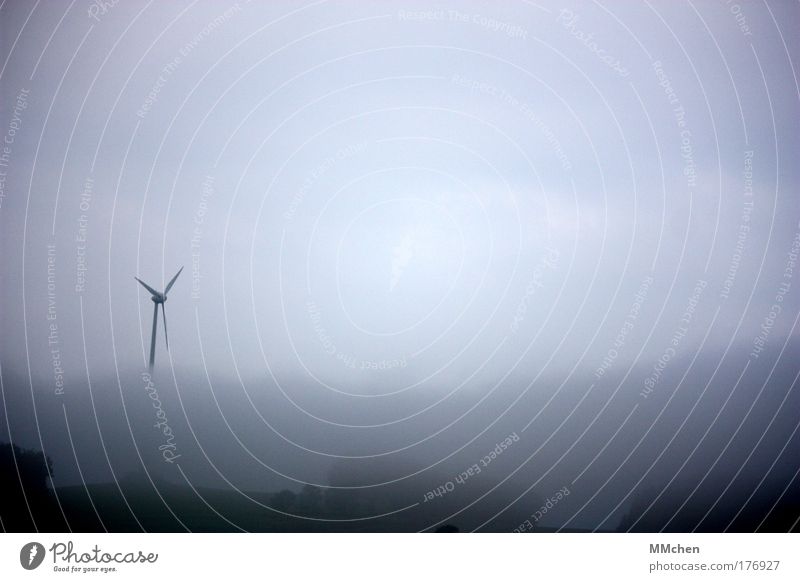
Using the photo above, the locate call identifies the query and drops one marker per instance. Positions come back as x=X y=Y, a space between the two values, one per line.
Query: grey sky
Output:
x=384 y=211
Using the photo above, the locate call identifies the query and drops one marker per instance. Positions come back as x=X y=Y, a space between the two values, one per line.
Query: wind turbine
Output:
x=158 y=299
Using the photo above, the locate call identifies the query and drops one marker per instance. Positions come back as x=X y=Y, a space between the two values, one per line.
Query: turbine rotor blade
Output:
x=153 y=337
x=172 y=282
x=164 y=314
x=148 y=287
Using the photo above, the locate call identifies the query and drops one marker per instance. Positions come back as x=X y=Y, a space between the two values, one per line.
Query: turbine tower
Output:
x=158 y=299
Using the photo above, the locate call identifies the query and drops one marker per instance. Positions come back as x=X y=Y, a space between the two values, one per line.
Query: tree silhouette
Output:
x=310 y=501
x=284 y=501
x=26 y=502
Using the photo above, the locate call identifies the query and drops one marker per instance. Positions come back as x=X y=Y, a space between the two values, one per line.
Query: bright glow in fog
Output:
x=412 y=255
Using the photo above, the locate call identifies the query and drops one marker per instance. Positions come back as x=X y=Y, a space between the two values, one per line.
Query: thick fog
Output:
x=412 y=235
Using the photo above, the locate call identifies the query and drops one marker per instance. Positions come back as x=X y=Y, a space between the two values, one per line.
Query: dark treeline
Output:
x=29 y=503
